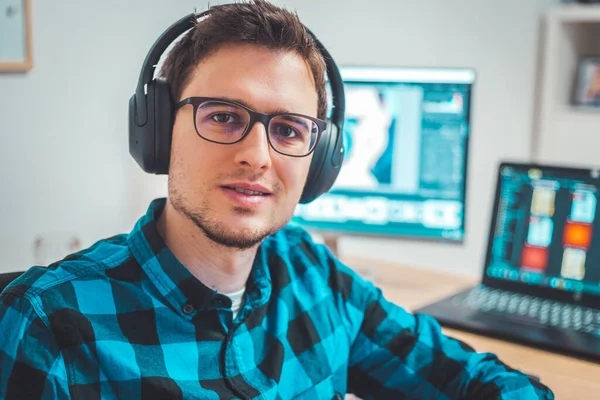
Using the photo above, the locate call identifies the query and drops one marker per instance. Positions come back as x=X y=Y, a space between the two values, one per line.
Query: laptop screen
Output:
x=546 y=231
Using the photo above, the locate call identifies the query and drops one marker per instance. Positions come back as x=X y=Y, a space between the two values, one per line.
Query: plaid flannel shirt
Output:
x=125 y=319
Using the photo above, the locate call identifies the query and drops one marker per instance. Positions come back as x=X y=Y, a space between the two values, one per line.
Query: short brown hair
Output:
x=255 y=22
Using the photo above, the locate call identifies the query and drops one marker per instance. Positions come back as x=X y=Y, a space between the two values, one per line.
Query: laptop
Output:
x=541 y=278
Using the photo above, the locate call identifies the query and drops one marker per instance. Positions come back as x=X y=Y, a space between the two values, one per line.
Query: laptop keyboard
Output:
x=543 y=311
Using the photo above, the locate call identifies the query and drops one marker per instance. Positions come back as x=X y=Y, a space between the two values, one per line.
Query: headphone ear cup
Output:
x=325 y=165
x=141 y=134
x=163 y=122
x=150 y=140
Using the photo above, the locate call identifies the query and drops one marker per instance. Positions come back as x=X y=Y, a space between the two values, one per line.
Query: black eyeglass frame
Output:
x=254 y=117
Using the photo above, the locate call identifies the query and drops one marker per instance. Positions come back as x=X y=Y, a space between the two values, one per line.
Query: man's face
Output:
x=203 y=174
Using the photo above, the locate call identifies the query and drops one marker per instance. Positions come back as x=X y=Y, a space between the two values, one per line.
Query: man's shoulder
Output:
x=90 y=264
x=299 y=251
x=309 y=263
x=292 y=234
x=293 y=239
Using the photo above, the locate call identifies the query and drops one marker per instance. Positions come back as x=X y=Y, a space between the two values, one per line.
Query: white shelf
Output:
x=565 y=133
x=578 y=115
x=582 y=110
x=575 y=13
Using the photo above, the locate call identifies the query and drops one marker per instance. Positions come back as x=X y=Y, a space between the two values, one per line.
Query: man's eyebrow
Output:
x=242 y=102
x=298 y=120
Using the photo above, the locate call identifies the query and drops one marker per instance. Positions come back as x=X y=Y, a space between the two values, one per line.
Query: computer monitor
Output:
x=406 y=136
x=546 y=229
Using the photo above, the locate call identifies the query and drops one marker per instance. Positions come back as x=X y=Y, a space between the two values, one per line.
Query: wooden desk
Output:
x=569 y=378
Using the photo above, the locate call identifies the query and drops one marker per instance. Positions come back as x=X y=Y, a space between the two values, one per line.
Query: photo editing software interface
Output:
x=405 y=136
x=546 y=231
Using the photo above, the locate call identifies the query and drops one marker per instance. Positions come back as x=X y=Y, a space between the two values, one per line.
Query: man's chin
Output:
x=240 y=228
x=236 y=237
x=236 y=231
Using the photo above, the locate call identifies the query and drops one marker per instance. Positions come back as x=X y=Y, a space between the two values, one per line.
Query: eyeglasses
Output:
x=226 y=122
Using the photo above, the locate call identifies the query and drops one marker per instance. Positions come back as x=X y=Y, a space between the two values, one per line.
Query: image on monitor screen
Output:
x=545 y=228
x=406 y=135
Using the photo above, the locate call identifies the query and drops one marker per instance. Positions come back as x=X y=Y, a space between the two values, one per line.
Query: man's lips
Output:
x=247 y=198
x=251 y=189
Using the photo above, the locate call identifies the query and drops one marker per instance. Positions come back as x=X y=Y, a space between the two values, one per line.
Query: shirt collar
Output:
x=175 y=282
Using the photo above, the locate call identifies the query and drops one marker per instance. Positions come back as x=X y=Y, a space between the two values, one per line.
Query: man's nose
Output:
x=254 y=150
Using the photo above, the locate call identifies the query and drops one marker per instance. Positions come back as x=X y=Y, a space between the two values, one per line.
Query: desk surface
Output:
x=569 y=378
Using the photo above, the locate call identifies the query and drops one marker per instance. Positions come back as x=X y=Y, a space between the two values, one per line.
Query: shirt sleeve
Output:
x=396 y=354
x=31 y=365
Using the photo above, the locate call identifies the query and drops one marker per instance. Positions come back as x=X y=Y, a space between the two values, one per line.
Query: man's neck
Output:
x=221 y=268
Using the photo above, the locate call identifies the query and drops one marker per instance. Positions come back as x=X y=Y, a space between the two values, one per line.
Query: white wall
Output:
x=63 y=125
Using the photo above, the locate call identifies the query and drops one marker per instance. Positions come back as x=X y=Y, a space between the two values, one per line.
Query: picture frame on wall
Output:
x=15 y=36
x=587 y=91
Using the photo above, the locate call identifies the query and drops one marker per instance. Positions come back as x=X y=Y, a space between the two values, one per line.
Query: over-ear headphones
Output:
x=151 y=117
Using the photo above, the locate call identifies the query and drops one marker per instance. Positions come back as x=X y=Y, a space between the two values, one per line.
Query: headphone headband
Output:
x=182 y=25
x=156 y=51
x=151 y=116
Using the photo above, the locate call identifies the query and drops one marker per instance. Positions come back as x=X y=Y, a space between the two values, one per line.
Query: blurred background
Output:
x=67 y=175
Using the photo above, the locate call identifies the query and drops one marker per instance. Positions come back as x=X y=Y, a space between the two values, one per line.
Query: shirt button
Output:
x=188 y=308
x=219 y=303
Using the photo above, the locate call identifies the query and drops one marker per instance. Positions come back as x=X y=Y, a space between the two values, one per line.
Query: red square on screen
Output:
x=534 y=257
x=577 y=234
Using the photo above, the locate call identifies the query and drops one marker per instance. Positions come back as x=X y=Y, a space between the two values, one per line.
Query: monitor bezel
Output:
x=578 y=298
x=357 y=74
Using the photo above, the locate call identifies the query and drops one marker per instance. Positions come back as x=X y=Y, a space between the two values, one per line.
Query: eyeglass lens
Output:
x=226 y=123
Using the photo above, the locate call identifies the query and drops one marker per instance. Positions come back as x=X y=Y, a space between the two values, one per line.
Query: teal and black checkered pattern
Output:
x=124 y=319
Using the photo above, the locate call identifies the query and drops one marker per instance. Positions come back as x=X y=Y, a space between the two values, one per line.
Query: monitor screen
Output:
x=406 y=135
x=545 y=231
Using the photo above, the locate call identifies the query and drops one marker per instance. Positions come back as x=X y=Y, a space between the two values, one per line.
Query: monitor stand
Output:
x=331 y=241
x=368 y=272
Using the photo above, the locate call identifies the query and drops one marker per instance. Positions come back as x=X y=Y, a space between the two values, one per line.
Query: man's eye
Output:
x=286 y=131
x=222 y=118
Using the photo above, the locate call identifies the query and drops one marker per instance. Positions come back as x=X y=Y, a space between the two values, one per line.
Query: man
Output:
x=212 y=295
